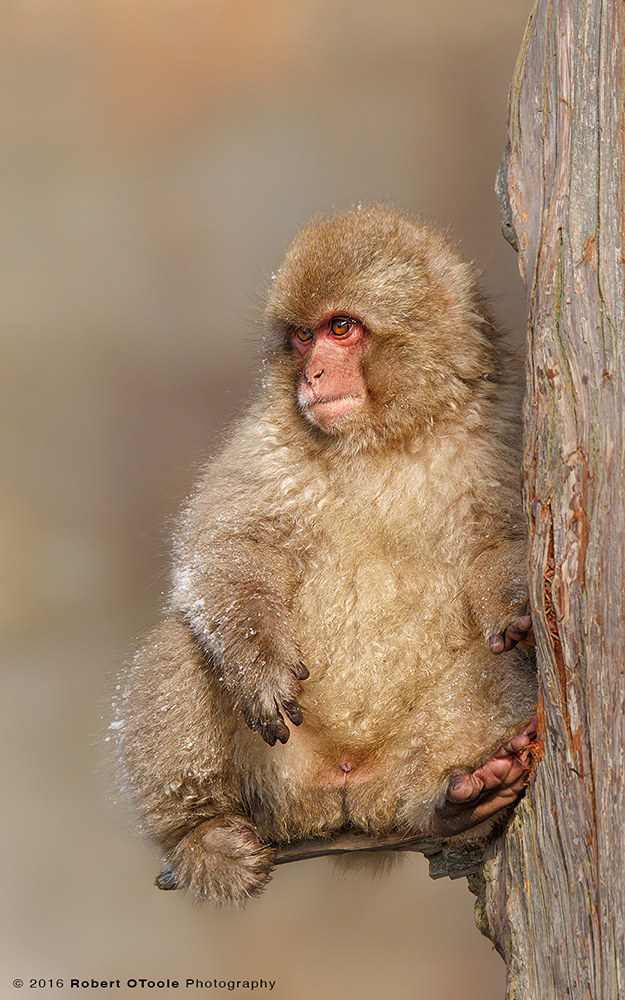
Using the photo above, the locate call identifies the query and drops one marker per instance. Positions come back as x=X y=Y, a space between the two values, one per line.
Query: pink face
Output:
x=331 y=386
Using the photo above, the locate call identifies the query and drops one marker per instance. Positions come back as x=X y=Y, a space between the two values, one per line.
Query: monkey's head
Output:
x=377 y=327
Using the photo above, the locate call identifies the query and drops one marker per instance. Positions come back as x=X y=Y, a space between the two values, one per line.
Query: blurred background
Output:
x=157 y=157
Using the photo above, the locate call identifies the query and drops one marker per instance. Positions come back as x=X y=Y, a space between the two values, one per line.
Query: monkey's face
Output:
x=331 y=388
x=377 y=330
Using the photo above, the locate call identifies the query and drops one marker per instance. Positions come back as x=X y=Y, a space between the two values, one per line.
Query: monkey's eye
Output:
x=340 y=326
x=303 y=335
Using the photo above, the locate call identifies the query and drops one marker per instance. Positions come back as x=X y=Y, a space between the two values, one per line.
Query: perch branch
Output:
x=446 y=858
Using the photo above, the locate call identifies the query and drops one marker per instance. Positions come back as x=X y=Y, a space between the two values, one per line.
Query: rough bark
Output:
x=553 y=895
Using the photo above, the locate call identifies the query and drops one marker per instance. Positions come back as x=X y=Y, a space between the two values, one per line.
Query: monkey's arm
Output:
x=498 y=594
x=235 y=572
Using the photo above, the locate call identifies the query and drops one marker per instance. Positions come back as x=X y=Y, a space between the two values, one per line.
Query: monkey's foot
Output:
x=263 y=711
x=221 y=860
x=473 y=797
x=519 y=631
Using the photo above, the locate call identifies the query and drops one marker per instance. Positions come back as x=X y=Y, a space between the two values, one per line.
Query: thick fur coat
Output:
x=378 y=557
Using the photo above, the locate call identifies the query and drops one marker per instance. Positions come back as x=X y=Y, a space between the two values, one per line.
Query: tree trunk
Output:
x=553 y=900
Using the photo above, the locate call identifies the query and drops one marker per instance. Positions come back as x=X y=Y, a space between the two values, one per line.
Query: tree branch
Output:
x=447 y=858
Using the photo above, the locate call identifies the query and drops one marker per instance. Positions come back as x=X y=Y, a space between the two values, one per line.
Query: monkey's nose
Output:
x=312 y=373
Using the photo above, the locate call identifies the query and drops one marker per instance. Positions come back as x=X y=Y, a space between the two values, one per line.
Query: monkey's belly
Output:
x=323 y=763
x=314 y=786
x=385 y=771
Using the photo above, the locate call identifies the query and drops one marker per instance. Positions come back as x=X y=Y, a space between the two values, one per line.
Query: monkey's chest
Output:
x=377 y=634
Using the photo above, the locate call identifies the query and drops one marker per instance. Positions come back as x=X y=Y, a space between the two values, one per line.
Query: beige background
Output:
x=157 y=156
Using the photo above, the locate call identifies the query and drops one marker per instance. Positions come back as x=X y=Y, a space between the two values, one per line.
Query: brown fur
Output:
x=378 y=556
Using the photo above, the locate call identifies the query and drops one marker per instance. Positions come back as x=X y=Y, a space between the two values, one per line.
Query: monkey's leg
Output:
x=177 y=746
x=476 y=796
x=221 y=860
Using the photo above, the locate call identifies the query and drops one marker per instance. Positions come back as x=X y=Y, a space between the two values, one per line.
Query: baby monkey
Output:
x=339 y=651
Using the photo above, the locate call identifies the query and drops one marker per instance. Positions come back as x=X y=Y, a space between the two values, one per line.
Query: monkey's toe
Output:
x=473 y=797
x=221 y=860
x=166 y=879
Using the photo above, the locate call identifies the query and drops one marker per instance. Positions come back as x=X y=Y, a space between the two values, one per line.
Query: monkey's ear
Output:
x=456 y=282
x=276 y=340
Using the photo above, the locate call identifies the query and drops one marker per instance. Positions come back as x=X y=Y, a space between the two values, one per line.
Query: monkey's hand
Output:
x=518 y=631
x=473 y=797
x=259 y=664
x=274 y=692
x=255 y=658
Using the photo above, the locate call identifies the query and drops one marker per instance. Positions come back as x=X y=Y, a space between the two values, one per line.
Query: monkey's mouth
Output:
x=327 y=409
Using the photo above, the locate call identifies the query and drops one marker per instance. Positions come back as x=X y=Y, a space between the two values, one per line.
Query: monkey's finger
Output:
x=453 y=818
x=264 y=729
x=473 y=797
x=267 y=733
x=257 y=727
x=500 y=773
x=293 y=712
x=300 y=671
x=279 y=730
x=520 y=630
x=279 y=727
x=274 y=730
x=506 y=771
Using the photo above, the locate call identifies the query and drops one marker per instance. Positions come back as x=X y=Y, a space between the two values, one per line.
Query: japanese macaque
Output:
x=339 y=650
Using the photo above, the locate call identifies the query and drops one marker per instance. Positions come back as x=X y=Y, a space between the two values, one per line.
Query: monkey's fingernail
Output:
x=279 y=730
x=268 y=734
x=301 y=672
x=294 y=712
x=496 y=643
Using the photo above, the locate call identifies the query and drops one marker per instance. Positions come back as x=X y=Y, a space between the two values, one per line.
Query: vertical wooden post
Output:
x=554 y=895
